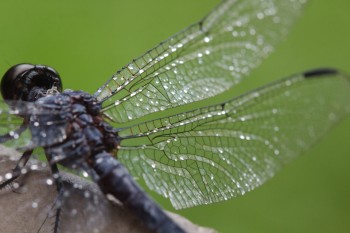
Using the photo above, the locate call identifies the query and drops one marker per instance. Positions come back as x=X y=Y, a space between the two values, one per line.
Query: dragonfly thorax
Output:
x=73 y=129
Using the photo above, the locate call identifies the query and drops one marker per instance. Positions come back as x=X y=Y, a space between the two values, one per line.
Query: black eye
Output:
x=19 y=82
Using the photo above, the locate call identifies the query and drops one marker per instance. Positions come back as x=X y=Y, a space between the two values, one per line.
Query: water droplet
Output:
x=252 y=31
x=87 y=194
x=49 y=182
x=15 y=185
x=66 y=193
x=34 y=167
x=288 y=83
x=260 y=15
x=8 y=176
x=34 y=205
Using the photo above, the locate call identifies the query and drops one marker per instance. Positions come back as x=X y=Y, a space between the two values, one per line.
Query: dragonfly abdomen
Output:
x=115 y=180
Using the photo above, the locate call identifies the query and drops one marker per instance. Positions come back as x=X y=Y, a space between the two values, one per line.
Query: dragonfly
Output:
x=135 y=125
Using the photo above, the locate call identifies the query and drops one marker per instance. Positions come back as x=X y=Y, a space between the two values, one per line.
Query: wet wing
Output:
x=222 y=151
x=11 y=123
x=201 y=61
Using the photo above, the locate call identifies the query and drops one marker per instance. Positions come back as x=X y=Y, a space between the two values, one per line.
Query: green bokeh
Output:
x=87 y=41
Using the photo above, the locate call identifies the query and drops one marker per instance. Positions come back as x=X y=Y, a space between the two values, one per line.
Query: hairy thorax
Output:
x=71 y=128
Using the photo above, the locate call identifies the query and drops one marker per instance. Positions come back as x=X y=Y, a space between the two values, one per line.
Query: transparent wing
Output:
x=222 y=151
x=10 y=124
x=12 y=132
x=8 y=121
x=203 y=60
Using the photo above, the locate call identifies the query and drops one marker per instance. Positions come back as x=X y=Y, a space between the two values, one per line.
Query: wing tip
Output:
x=321 y=72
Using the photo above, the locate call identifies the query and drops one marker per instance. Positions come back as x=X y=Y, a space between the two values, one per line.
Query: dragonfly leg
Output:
x=59 y=199
x=16 y=172
x=56 y=207
x=13 y=134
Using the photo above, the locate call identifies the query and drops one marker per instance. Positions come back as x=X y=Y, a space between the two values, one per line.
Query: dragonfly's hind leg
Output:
x=16 y=172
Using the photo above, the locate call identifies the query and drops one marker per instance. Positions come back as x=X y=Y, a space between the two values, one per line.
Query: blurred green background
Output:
x=87 y=41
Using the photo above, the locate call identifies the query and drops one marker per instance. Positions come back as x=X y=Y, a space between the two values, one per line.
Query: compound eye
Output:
x=9 y=83
x=20 y=81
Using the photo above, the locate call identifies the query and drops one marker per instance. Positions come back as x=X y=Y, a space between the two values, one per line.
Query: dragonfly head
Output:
x=26 y=82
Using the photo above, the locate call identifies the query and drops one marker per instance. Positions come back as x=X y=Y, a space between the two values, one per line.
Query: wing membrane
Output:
x=203 y=60
x=11 y=122
x=222 y=151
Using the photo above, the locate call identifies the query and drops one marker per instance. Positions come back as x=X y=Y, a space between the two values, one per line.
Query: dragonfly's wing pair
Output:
x=222 y=151
x=217 y=152
x=203 y=60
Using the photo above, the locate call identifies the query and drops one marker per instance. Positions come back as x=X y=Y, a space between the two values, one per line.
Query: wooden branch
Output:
x=29 y=204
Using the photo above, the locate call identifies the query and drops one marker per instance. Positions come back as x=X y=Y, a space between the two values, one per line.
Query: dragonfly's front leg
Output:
x=16 y=172
x=12 y=135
